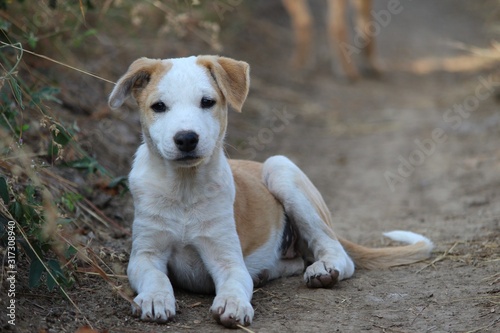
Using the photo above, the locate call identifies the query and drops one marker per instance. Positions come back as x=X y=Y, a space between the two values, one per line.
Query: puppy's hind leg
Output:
x=310 y=216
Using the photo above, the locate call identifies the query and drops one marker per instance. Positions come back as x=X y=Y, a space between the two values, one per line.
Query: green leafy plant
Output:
x=26 y=209
x=43 y=211
x=40 y=150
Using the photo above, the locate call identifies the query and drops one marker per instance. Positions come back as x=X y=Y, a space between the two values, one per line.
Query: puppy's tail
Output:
x=419 y=248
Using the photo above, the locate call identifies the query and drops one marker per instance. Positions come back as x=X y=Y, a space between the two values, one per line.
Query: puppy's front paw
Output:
x=231 y=311
x=154 y=306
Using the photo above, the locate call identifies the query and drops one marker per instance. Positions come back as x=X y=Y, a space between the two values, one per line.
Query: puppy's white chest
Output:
x=183 y=217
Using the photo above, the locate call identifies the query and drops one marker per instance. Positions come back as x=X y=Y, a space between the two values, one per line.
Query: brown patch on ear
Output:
x=133 y=81
x=231 y=76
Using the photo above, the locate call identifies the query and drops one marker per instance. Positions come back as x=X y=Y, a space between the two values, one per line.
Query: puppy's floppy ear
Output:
x=135 y=79
x=232 y=78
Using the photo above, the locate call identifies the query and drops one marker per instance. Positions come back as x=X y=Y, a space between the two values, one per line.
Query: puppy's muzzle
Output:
x=186 y=141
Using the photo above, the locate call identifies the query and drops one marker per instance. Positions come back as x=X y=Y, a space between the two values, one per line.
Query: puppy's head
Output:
x=183 y=103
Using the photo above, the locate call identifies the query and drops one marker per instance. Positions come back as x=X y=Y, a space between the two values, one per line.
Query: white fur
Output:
x=190 y=219
x=172 y=219
x=407 y=237
x=183 y=97
x=280 y=176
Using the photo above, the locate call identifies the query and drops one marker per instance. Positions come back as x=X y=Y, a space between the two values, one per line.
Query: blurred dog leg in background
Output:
x=342 y=48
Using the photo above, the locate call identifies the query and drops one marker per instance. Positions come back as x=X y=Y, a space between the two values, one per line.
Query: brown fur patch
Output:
x=232 y=78
x=256 y=210
x=208 y=63
x=221 y=111
x=140 y=81
x=147 y=95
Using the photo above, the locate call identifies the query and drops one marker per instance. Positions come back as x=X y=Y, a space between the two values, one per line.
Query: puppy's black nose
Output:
x=186 y=141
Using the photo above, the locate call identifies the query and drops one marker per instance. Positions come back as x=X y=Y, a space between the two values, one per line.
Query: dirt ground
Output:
x=393 y=153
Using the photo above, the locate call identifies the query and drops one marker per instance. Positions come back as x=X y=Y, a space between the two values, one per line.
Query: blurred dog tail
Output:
x=419 y=248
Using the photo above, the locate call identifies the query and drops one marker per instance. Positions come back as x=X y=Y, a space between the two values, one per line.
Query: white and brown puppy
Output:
x=206 y=223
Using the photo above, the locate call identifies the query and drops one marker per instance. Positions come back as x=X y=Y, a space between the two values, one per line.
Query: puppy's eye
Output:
x=159 y=107
x=207 y=103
